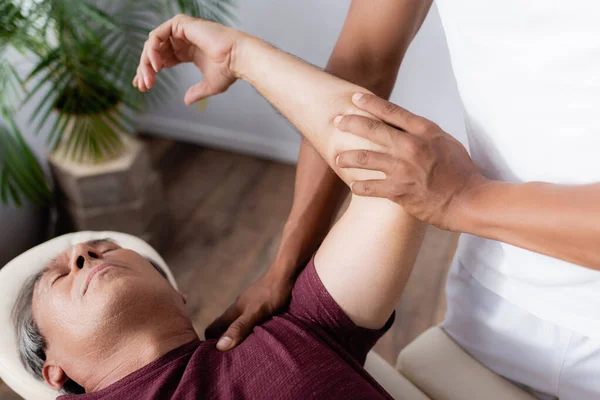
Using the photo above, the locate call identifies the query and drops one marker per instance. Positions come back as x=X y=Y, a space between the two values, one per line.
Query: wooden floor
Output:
x=225 y=213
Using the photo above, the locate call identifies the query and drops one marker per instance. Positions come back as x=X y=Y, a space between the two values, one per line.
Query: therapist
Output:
x=524 y=287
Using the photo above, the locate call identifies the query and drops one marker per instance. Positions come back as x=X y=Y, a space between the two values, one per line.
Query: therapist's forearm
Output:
x=317 y=194
x=556 y=220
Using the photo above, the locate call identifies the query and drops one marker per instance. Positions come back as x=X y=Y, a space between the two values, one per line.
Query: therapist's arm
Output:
x=561 y=221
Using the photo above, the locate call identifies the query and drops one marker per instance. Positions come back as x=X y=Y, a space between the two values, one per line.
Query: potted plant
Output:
x=79 y=58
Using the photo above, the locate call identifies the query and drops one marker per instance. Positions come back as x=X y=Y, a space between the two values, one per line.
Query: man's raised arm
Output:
x=368 y=53
x=308 y=97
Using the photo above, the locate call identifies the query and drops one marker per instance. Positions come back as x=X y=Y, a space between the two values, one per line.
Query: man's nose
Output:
x=82 y=256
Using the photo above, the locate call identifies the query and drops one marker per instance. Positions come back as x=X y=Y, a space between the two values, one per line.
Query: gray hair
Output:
x=31 y=342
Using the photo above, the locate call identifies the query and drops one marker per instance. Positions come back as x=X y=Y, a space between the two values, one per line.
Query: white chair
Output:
x=436 y=365
x=444 y=371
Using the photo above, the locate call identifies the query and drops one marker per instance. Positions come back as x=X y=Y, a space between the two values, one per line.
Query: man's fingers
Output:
x=371 y=188
x=157 y=49
x=391 y=113
x=147 y=73
x=162 y=34
x=149 y=76
x=169 y=28
x=141 y=84
x=152 y=60
x=170 y=62
x=158 y=56
x=198 y=92
x=165 y=32
x=365 y=159
x=237 y=331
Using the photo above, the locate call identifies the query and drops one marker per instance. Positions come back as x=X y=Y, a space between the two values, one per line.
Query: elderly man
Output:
x=100 y=320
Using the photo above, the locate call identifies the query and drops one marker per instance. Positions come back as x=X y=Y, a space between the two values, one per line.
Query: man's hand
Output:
x=258 y=303
x=185 y=39
x=428 y=172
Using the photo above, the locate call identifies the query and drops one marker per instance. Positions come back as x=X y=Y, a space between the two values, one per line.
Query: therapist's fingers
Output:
x=391 y=113
x=233 y=326
x=237 y=331
x=365 y=159
x=377 y=132
x=377 y=188
x=218 y=327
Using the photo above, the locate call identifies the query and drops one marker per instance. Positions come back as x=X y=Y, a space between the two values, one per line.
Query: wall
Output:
x=241 y=120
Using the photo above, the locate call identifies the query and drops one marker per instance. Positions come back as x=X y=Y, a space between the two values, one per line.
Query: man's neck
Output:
x=132 y=353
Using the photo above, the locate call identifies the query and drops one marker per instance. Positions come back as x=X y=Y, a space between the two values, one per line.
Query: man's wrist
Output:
x=242 y=46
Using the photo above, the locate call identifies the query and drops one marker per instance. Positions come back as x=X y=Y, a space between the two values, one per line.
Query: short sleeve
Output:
x=313 y=305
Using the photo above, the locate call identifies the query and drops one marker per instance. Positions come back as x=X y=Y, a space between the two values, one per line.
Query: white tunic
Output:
x=528 y=72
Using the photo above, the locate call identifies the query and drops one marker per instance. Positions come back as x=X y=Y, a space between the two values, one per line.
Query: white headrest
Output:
x=12 y=277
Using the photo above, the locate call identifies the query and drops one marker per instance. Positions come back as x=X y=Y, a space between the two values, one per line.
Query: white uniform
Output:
x=528 y=72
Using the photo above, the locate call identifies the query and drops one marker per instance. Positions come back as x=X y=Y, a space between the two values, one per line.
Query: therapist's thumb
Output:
x=236 y=333
x=198 y=92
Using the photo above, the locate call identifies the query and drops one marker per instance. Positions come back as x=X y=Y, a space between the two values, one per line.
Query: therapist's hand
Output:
x=428 y=172
x=184 y=39
x=267 y=296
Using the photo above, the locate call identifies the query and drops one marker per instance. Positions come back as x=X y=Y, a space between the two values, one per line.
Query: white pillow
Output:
x=12 y=277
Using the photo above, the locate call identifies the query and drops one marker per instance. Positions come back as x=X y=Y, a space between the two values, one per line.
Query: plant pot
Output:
x=122 y=193
x=66 y=153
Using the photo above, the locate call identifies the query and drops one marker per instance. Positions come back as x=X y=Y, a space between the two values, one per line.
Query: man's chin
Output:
x=125 y=294
x=107 y=281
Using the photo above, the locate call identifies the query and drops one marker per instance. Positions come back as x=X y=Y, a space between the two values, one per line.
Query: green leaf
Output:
x=59 y=130
x=21 y=177
x=48 y=102
x=37 y=172
x=51 y=141
x=15 y=196
x=4 y=185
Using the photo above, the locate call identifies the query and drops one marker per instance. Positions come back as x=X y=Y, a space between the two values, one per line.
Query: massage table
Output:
x=433 y=367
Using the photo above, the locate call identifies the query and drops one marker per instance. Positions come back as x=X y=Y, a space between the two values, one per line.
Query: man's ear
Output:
x=54 y=375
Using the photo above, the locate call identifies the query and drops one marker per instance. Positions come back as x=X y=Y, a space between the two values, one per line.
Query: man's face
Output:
x=94 y=292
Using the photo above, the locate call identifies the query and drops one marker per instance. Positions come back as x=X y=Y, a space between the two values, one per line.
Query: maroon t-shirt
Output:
x=311 y=351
